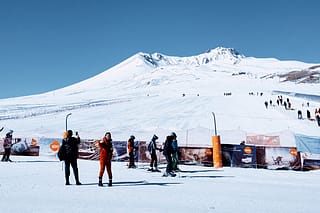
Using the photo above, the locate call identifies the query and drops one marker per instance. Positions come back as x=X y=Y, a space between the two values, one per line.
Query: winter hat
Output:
x=9 y=133
x=173 y=134
x=70 y=133
x=155 y=137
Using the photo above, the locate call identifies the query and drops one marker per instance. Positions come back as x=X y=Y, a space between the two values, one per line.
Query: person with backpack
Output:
x=106 y=152
x=167 y=152
x=7 y=144
x=152 y=147
x=131 y=148
x=70 y=147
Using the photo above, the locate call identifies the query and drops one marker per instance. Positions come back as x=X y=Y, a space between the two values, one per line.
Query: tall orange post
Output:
x=216 y=146
x=217 y=157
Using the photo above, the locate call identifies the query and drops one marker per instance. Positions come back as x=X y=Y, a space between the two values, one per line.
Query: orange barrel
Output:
x=217 y=157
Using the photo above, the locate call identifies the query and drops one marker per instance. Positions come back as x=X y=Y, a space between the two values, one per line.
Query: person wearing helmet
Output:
x=7 y=144
x=131 y=147
x=152 y=147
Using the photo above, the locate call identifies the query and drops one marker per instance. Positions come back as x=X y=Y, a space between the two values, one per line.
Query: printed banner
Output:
x=239 y=156
x=263 y=140
x=278 y=158
x=196 y=155
x=26 y=147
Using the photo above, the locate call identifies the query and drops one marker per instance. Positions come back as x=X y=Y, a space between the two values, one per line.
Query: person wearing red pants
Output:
x=106 y=151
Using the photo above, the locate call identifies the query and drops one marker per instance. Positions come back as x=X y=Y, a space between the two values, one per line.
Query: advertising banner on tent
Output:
x=310 y=161
x=89 y=150
x=196 y=155
x=239 y=156
x=49 y=146
x=263 y=140
x=278 y=158
x=27 y=147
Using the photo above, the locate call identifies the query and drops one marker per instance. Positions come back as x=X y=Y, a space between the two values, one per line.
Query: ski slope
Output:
x=155 y=93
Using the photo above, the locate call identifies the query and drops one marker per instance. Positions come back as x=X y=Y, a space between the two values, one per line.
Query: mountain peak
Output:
x=217 y=55
x=226 y=51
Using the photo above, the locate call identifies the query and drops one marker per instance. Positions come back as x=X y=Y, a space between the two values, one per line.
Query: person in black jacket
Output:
x=167 y=152
x=70 y=144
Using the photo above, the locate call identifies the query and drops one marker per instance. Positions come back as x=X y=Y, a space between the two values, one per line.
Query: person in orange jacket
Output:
x=106 y=151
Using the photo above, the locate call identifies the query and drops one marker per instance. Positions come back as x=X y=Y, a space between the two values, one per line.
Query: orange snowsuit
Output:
x=105 y=157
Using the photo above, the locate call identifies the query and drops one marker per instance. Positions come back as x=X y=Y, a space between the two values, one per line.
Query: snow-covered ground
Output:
x=144 y=95
x=36 y=185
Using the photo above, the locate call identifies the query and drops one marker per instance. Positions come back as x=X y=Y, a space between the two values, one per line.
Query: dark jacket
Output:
x=70 y=144
x=167 y=149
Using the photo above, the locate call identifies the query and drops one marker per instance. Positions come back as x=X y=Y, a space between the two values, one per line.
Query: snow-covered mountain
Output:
x=157 y=93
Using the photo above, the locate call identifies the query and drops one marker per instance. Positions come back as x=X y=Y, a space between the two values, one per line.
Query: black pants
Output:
x=169 y=163
x=74 y=164
x=131 y=159
x=6 y=155
x=154 y=160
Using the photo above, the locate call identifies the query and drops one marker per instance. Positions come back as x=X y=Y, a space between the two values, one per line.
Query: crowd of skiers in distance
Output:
x=68 y=153
x=288 y=106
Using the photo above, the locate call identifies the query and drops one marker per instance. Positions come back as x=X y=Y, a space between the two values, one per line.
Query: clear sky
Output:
x=50 y=44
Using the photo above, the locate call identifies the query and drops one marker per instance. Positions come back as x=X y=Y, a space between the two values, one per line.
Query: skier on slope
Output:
x=175 y=150
x=106 y=151
x=167 y=152
x=131 y=147
x=7 y=144
x=152 y=147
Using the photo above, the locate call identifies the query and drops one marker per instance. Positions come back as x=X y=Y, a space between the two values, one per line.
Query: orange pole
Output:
x=216 y=151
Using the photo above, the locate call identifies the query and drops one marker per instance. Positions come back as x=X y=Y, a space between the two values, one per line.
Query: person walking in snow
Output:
x=131 y=148
x=152 y=148
x=175 y=150
x=167 y=152
x=70 y=144
x=7 y=144
x=106 y=150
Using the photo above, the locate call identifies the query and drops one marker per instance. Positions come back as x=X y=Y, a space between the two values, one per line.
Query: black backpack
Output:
x=62 y=153
x=150 y=146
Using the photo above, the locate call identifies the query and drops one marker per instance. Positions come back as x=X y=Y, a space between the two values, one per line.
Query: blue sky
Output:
x=50 y=44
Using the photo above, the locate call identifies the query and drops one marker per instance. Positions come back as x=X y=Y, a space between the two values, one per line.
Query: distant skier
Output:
x=308 y=115
x=131 y=147
x=299 y=114
x=106 y=151
x=70 y=144
x=152 y=148
x=7 y=144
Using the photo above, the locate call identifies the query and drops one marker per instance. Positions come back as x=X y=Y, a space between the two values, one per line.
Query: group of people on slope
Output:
x=70 y=149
